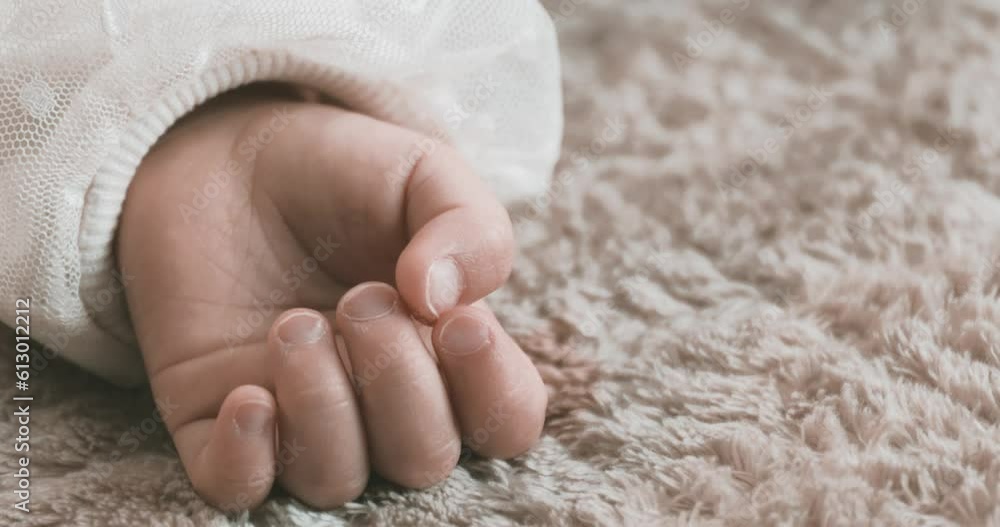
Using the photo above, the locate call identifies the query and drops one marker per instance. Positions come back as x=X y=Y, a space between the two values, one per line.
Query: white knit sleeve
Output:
x=87 y=87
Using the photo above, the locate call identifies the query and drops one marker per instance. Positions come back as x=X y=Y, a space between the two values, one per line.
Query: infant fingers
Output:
x=462 y=242
x=230 y=459
x=496 y=392
x=321 y=456
x=412 y=436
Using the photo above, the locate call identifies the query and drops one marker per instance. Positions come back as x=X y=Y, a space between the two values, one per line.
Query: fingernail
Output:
x=252 y=418
x=301 y=328
x=370 y=302
x=444 y=285
x=464 y=335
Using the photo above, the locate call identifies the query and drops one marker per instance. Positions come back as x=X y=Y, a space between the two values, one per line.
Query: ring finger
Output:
x=321 y=456
x=413 y=439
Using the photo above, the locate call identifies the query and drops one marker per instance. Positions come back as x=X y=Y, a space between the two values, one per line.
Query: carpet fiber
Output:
x=763 y=290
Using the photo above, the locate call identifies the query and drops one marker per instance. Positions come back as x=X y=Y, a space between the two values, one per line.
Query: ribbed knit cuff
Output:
x=110 y=350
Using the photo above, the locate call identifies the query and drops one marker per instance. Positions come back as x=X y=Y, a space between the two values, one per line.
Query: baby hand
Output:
x=260 y=227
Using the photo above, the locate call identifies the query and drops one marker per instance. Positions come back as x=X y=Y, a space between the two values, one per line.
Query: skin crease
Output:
x=262 y=230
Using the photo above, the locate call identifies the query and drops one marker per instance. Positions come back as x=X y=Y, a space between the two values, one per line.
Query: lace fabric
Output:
x=87 y=87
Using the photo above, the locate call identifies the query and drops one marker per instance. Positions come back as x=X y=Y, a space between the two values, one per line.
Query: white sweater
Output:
x=87 y=87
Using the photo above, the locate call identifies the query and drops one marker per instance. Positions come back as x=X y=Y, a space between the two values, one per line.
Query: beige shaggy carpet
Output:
x=763 y=291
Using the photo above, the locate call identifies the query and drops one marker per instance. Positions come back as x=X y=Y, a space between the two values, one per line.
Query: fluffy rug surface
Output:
x=763 y=290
